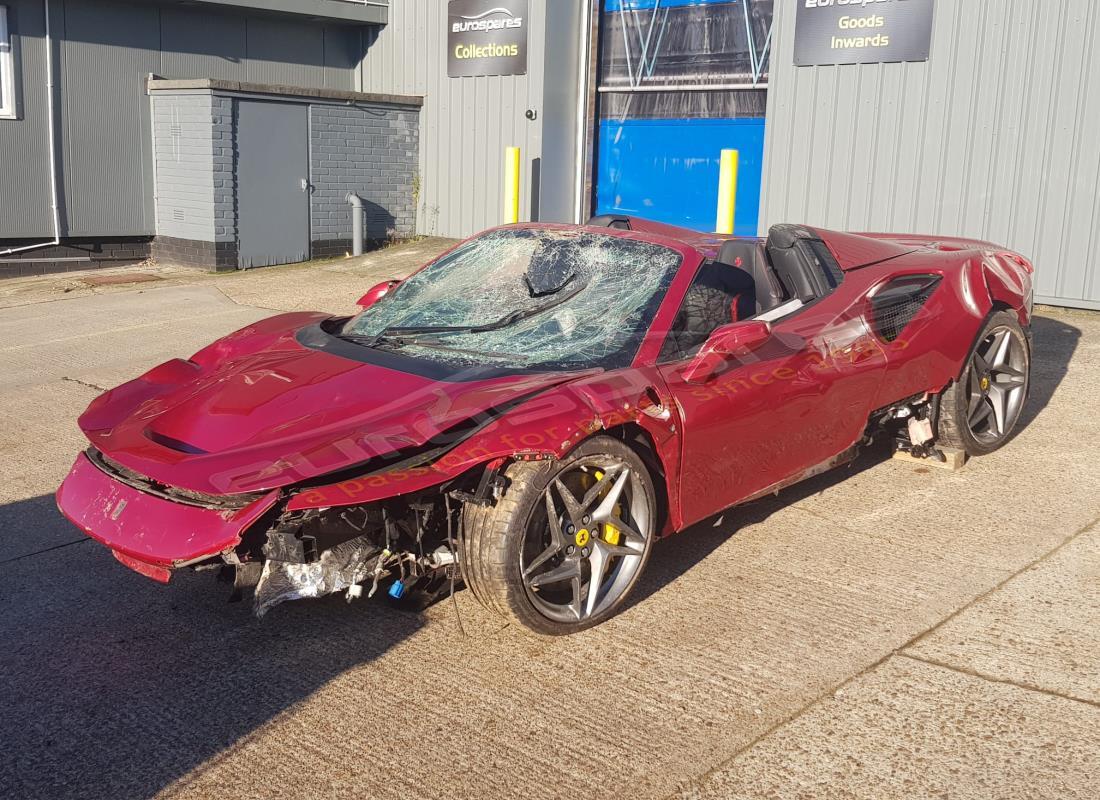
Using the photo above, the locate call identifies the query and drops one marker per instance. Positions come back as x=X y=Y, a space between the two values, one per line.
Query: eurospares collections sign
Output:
x=862 y=31
x=486 y=37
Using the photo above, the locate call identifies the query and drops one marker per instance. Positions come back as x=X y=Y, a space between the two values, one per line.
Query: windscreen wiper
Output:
x=397 y=332
x=368 y=340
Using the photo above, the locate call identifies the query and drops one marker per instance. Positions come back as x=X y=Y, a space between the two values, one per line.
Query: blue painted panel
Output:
x=667 y=169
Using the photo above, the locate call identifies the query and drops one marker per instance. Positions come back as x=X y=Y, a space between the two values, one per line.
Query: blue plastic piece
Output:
x=397 y=590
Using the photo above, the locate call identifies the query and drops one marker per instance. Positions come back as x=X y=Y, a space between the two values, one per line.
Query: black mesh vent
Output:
x=895 y=304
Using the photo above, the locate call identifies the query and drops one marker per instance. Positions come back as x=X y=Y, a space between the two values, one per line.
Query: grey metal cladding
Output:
x=103 y=53
x=23 y=155
x=103 y=117
x=466 y=123
x=993 y=137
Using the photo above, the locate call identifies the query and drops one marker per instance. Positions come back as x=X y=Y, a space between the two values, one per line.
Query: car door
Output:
x=784 y=411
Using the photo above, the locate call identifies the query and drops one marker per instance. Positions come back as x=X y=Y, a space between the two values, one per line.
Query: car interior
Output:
x=757 y=280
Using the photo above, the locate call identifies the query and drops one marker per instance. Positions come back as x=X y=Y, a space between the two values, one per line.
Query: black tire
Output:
x=493 y=539
x=957 y=403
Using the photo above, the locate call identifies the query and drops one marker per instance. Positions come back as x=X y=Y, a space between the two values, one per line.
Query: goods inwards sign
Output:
x=861 y=31
x=486 y=37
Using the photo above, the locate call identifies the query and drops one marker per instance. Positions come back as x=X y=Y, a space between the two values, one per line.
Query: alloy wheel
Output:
x=997 y=383
x=587 y=542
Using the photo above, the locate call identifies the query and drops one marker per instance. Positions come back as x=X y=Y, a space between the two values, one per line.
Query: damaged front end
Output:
x=404 y=546
x=149 y=529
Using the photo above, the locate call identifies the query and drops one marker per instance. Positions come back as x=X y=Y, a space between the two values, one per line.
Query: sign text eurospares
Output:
x=862 y=31
x=486 y=37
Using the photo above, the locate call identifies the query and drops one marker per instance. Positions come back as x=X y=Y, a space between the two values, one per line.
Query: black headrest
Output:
x=748 y=254
x=784 y=236
x=610 y=221
x=739 y=253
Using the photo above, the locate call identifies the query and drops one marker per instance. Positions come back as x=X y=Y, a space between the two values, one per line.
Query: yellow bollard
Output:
x=727 y=191
x=511 y=186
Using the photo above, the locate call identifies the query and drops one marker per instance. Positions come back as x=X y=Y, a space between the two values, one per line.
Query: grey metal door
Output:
x=272 y=183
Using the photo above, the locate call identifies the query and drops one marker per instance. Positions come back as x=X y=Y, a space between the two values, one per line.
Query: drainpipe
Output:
x=52 y=144
x=356 y=223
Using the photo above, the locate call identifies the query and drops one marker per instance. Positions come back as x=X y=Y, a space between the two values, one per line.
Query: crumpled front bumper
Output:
x=150 y=534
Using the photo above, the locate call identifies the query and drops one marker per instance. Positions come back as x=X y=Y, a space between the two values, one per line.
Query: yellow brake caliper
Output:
x=611 y=534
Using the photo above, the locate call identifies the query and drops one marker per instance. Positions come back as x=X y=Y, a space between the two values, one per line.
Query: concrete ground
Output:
x=886 y=631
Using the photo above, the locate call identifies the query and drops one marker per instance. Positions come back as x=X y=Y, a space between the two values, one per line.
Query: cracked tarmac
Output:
x=882 y=631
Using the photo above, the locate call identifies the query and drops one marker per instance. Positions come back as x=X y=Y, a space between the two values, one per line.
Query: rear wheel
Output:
x=980 y=411
x=566 y=543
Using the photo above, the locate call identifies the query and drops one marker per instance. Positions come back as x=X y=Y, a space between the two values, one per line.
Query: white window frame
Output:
x=7 y=69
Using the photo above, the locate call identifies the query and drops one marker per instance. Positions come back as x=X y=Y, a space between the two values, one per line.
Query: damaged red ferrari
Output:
x=530 y=412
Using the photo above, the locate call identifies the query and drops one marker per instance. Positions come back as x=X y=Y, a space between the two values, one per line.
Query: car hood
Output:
x=258 y=411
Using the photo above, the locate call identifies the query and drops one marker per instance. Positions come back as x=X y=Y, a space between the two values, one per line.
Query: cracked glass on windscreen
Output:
x=526 y=298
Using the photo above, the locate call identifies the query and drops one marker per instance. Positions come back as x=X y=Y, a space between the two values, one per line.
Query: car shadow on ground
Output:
x=1055 y=343
x=114 y=686
x=674 y=556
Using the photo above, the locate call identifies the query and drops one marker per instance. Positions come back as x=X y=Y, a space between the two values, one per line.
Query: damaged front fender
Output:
x=546 y=427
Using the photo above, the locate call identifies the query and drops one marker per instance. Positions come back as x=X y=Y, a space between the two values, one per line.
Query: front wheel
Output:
x=566 y=543
x=980 y=411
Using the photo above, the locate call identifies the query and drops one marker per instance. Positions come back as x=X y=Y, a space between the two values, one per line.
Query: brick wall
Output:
x=223 y=165
x=72 y=254
x=219 y=256
x=196 y=185
x=183 y=154
x=361 y=145
x=372 y=150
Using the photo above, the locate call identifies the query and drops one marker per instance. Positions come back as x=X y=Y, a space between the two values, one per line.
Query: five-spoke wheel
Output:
x=997 y=385
x=980 y=411
x=581 y=554
x=565 y=545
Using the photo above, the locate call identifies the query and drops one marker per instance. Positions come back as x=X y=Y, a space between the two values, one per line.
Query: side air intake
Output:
x=895 y=305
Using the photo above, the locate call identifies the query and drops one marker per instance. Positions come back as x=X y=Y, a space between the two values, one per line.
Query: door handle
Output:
x=306 y=185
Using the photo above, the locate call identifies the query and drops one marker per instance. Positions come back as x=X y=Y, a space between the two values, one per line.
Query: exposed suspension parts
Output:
x=404 y=548
x=913 y=426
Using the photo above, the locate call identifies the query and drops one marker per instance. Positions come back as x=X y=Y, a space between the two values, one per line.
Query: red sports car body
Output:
x=419 y=442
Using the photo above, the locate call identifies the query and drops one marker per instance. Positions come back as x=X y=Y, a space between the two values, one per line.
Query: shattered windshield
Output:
x=525 y=298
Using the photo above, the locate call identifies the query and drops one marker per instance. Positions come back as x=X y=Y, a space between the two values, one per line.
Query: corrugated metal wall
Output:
x=106 y=158
x=994 y=137
x=24 y=165
x=466 y=123
x=103 y=52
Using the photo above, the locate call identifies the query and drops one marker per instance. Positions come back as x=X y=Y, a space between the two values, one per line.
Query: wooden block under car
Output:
x=956 y=459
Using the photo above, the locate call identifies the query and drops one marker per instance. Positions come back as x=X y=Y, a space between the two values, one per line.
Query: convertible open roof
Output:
x=852 y=250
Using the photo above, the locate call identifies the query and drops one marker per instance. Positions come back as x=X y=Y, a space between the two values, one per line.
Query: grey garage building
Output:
x=977 y=121
x=216 y=133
